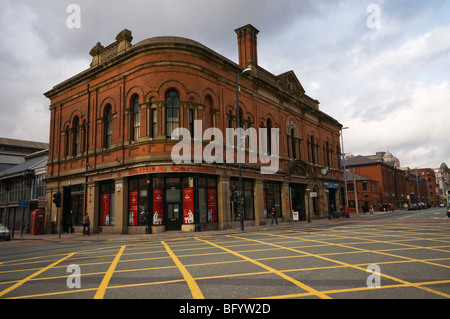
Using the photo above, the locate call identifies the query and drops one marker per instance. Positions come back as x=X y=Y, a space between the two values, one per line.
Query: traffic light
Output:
x=233 y=194
x=57 y=199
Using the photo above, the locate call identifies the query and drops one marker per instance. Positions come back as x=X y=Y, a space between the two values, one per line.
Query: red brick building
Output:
x=397 y=186
x=110 y=139
x=363 y=193
x=431 y=191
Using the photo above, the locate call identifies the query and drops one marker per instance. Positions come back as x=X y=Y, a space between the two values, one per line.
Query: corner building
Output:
x=110 y=140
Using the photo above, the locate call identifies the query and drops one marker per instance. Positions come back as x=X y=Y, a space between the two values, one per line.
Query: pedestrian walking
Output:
x=86 y=224
x=371 y=210
x=274 y=216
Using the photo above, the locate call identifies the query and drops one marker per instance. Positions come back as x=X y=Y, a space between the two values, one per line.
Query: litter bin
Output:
x=37 y=222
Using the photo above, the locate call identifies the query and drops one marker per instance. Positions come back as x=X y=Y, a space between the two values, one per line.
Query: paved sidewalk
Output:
x=102 y=237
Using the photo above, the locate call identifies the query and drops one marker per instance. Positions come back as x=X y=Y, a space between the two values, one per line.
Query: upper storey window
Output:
x=136 y=117
x=172 y=112
x=108 y=127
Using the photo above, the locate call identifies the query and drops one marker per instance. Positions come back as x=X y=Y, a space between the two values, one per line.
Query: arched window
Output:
x=294 y=151
x=136 y=119
x=338 y=153
x=269 y=137
x=108 y=127
x=313 y=153
x=327 y=148
x=76 y=137
x=172 y=112
x=66 y=141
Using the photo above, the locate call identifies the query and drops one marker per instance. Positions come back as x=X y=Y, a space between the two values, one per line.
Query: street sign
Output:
x=313 y=194
x=23 y=204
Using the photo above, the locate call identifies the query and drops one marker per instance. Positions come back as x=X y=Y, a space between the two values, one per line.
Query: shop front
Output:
x=156 y=199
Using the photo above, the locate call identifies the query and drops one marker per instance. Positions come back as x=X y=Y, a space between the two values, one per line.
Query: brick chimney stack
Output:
x=247 y=45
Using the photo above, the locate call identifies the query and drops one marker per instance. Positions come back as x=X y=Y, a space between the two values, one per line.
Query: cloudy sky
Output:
x=382 y=68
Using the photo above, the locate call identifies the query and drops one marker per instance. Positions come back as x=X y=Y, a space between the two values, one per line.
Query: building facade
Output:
x=363 y=193
x=111 y=140
x=398 y=186
x=22 y=190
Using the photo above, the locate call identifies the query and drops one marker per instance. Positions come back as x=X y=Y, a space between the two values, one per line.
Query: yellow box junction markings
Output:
x=404 y=282
x=270 y=269
x=21 y=282
x=104 y=284
x=195 y=290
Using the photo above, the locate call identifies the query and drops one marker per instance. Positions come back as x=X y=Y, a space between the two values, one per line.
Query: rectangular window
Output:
x=249 y=213
x=137 y=202
x=272 y=192
x=107 y=200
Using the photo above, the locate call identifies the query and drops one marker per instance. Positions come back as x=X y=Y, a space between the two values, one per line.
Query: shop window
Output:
x=158 y=201
x=207 y=200
x=107 y=200
x=272 y=197
x=137 y=202
x=76 y=204
x=249 y=213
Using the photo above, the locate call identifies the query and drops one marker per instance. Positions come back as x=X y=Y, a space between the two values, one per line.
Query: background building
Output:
x=399 y=186
x=22 y=189
x=443 y=183
x=110 y=139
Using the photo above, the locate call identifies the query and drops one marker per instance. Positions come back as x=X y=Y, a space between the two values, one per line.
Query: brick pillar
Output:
x=247 y=45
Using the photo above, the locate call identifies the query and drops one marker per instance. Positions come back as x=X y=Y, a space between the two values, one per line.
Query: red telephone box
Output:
x=37 y=222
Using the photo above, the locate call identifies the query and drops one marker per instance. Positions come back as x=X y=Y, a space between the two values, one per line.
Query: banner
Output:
x=158 y=206
x=188 y=205
x=104 y=209
x=133 y=208
x=212 y=205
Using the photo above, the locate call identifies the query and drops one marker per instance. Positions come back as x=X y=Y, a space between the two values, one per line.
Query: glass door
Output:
x=173 y=212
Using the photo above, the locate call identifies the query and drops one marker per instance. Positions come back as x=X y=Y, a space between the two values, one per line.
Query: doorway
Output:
x=173 y=211
x=297 y=193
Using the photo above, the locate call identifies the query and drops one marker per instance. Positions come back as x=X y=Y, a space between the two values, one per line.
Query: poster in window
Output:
x=265 y=203
x=158 y=206
x=212 y=205
x=104 y=209
x=188 y=205
x=133 y=208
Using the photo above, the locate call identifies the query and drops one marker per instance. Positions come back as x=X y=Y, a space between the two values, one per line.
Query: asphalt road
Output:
x=401 y=255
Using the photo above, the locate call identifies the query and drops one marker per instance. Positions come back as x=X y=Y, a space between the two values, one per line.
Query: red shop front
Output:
x=169 y=201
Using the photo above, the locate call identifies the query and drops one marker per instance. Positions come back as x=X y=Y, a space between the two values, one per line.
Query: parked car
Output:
x=412 y=207
x=5 y=233
x=441 y=205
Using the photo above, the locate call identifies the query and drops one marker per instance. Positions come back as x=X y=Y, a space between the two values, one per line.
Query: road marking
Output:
x=21 y=282
x=404 y=282
x=270 y=269
x=195 y=290
x=104 y=284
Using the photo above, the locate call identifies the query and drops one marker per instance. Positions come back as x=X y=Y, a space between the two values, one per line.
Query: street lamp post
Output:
x=345 y=172
x=239 y=138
